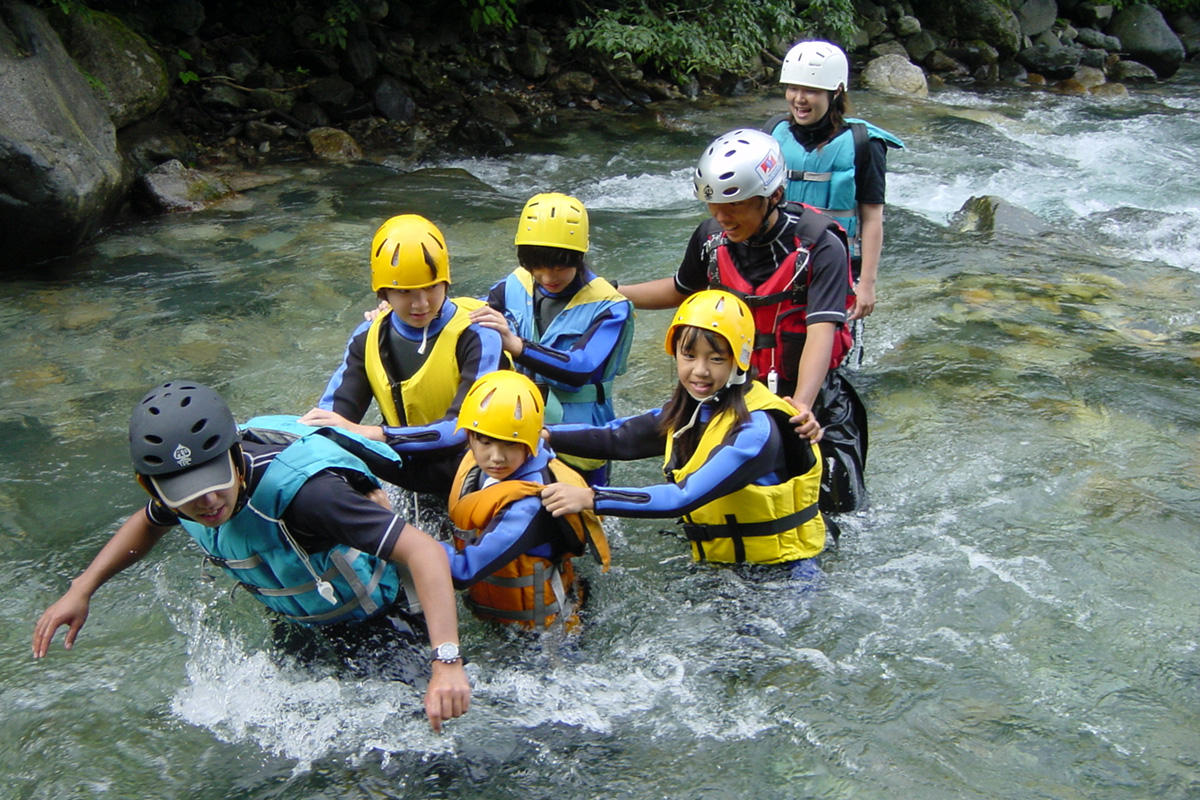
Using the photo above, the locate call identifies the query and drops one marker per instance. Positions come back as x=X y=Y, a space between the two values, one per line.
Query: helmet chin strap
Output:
x=736 y=378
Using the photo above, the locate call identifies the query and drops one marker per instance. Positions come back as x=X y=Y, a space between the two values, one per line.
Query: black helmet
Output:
x=180 y=435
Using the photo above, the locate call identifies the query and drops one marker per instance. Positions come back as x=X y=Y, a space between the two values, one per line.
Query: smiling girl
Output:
x=744 y=483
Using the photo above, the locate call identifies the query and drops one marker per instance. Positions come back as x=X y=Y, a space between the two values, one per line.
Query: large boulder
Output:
x=128 y=77
x=1036 y=16
x=989 y=215
x=895 y=74
x=991 y=21
x=61 y=174
x=1147 y=38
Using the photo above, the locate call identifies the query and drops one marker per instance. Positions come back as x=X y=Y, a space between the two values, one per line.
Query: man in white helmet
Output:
x=790 y=265
x=835 y=163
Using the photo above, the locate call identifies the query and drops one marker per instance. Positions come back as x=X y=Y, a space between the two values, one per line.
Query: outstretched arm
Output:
x=449 y=692
x=661 y=293
x=136 y=537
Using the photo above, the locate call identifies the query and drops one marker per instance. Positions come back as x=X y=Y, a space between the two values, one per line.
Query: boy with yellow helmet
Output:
x=564 y=326
x=416 y=359
x=510 y=554
x=745 y=485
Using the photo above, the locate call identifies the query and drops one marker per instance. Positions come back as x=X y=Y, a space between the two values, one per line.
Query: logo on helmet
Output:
x=767 y=166
x=182 y=455
x=708 y=192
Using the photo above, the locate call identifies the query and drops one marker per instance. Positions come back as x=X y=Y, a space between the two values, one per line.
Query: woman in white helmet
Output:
x=834 y=162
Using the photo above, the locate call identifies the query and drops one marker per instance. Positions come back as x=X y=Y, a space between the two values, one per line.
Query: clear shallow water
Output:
x=1015 y=616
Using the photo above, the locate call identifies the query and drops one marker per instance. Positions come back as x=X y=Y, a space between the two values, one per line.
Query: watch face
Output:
x=447 y=651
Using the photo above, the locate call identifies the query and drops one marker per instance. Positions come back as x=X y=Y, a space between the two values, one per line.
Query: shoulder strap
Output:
x=774 y=121
x=861 y=139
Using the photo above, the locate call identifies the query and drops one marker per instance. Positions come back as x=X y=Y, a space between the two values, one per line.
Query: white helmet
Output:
x=738 y=165
x=820 y=65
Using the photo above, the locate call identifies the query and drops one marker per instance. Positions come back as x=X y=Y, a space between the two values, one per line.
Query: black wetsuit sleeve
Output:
x=625 y=439
x=328 y=511
x=349 y=392
x=829 y=285
x=692 y=275
x=871 y=181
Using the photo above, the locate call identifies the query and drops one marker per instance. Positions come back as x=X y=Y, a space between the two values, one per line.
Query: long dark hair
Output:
x=839 y=109
x=679 y=409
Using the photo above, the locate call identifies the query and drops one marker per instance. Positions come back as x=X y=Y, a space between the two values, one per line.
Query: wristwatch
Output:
x=447 y=653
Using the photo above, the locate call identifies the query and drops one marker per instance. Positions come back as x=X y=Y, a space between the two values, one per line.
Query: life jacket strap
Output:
x=732 y=529
x=343 y=566
x=542 y=574
x=816 y=177
x=232 y=563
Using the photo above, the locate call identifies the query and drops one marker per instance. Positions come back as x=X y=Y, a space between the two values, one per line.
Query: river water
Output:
x=1015 y=615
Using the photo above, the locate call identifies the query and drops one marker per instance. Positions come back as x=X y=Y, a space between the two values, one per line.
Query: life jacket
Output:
x=529 y=591
x=256 y=549
x=590 y=404
x=825 y=177
x=778 y=303
x=759 y=524
x=427 y=394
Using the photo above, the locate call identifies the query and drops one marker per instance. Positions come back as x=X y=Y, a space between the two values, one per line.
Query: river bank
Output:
x=164 y=107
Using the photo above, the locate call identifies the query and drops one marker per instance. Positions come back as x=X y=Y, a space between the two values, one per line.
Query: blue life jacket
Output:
x=590 y=404
x=824 y=178
x=255 y=548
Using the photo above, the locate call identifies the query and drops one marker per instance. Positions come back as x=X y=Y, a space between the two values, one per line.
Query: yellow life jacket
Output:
x=529 y=591
x=760 y=524
x=428 y=393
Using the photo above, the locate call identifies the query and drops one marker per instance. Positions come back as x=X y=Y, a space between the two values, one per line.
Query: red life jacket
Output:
x=778 y=303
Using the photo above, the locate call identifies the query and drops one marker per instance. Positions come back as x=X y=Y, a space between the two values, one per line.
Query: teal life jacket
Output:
x=824 y=178
x=256 y=549
x=590 y=404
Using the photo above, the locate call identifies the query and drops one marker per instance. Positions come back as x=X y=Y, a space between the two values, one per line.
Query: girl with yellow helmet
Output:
x=563 y=325
x=416 y=359
x=509 y=553
x=745 y=485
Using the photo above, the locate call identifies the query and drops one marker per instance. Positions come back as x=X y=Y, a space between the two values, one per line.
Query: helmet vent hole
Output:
x=154 y=460
x=396 y=256
x=199 y=425
x=518 y=411
x=211 y=442
x=150 y=438
x=724 y=176
x=185 y=402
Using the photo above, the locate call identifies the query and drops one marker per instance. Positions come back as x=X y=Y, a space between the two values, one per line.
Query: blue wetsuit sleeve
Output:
x=519 y=527
x=478 y=352
x=586 y=359
x=752 y=454
x=625 y=439
x=349 y=392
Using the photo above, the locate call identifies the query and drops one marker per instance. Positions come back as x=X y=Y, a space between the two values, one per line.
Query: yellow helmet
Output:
x=504 y=405
x=722 y=313
x=554 y=220
x=408 y=252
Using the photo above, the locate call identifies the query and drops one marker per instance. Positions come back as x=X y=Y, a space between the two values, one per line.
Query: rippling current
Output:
x=1014 y=616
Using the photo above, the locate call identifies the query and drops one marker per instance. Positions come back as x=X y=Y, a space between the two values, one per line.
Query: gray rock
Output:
x=172 y=187
x=1125 y=71
x=496 y=111
x=61 y=174
x=530 y=61
x=987 y=20
x=393 y=99
x=1094 y=38
x=333 y=144
x=1147 y=38
x=990 y=215
x=907 y=26
x=1051 y=62
x=920 y=45
x=150 y=142
x=896 y=75
x=1036 y=16
x=128 y=76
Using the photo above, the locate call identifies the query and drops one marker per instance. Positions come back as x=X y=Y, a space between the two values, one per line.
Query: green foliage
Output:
x=337 y=16
x=187 y=76
x=683 y=37
x=491 y=13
